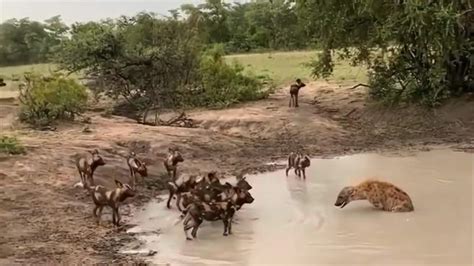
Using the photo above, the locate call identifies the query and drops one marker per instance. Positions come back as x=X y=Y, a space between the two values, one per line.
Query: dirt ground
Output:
x=44 y=219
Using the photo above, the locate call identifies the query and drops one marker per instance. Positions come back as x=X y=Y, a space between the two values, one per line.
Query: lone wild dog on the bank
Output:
x=382 y=195
x=294 y=90
x=299 y=163
x=136 y=166
x=86 y=165
x=171 y=162
x=112 y=198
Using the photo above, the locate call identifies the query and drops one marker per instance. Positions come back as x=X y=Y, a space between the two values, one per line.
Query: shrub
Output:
x=10 y=145
x=47 y=99
x=222 y=84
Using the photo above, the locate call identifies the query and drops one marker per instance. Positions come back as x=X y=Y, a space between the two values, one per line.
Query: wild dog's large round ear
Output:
x=118 y=183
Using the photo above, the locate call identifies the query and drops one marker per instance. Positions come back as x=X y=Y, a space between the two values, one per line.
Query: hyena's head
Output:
x=97 y=160
x=344 y=197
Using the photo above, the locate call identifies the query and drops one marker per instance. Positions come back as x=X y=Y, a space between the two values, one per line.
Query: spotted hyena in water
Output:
x=294 y=90
x=382 y=195
x=299 y=162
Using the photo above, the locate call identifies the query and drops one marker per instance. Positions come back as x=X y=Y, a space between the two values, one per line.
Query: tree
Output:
x=416 y=51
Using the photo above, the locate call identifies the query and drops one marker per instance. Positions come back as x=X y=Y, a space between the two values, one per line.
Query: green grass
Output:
x=284 y=67
x=8 y=72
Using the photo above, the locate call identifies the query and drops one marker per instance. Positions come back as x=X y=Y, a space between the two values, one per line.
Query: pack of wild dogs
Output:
x=205 y=198
x=197 y=198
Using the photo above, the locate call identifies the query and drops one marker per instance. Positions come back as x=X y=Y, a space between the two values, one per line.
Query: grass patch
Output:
x=11 y=145
x=284 y=67
x=17 y=71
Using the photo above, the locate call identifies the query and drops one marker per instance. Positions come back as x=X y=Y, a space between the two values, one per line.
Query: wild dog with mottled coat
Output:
x=235 y=194
x=196 y=212
x=86 y=165
x=382 y=195
x=112 y=198
x=294 y=90
x=299 y=163
x=136 y=166
x=171 y=162
x=183 y=184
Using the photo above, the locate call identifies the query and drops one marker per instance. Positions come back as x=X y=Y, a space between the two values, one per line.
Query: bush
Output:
x=47 y=99
x=10 y=145
x=223 y=84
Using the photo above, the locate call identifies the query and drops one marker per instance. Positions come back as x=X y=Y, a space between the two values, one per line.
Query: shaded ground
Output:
x=44 y=219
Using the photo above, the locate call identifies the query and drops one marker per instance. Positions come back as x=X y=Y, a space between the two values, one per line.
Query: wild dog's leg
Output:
x=94 y=212
x=296 y=100
x=287 y=169
x=291 y=99
x=82 y=178
x=226 y=226
x=230 y=226
x=114 y=217
x=304 y=173
x=197 y=223
x=188 y=223
x=118 y=216
x=178 y=201
x=99 y=214
x=171 y=190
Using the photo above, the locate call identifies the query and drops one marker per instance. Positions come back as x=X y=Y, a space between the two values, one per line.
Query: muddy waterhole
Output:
x=294 y=221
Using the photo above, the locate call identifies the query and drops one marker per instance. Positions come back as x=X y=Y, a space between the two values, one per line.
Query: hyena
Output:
x=382 y=195
x=86 y=165
x=136 y=166
x=112 y=198
x=294 y=90
x=299 y=162
x=171 y=163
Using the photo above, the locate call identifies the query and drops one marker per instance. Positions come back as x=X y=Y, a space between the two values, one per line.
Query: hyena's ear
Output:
x=118 y=183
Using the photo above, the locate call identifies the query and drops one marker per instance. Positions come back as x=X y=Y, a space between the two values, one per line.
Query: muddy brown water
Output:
x=295 y=222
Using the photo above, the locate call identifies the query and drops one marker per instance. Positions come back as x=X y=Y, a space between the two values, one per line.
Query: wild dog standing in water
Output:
x=171 y=163
x=382 y=195
x=294 y=90
x=136 y=166
x=183 y=184
x=86 y=165
x=112 y=198
x=299 y=163
x=199 y=211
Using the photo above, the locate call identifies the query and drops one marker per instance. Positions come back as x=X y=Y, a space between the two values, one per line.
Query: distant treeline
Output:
x=254 y=26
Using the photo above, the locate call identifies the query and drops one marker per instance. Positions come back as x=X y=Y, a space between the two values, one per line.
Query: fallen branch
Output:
x=352 y=111
x=359 y=85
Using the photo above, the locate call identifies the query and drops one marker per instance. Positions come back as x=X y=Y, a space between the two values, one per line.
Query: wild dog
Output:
x=242 y=183
x=171 y=162
x=112 y=198
x=294 y=90
x=183 y=184
x=136 y=166
x=2 y=83
x=382 y=195
x=235 y=194
x=86 y=165
x=299 y=163
x=213 y=211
